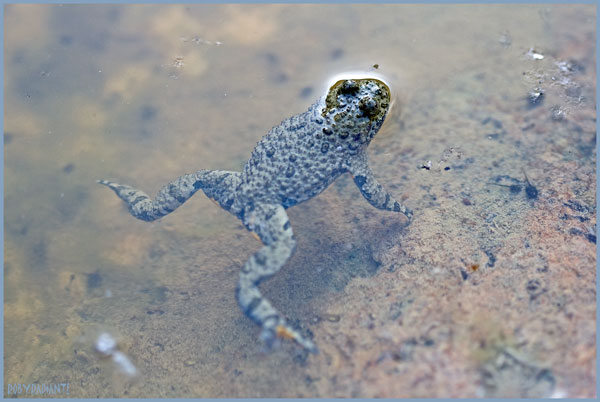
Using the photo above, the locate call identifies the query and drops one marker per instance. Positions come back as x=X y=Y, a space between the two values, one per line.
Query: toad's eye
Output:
x=368 y=106
x=349 y=87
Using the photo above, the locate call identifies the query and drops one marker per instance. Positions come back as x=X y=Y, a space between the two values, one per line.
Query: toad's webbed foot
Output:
x=219 y=185
x=273 y=227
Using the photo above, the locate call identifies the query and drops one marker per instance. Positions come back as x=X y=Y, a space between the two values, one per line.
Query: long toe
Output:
x=285 y=332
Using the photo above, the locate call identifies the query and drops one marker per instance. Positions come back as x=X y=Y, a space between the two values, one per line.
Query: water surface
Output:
x=489 y=292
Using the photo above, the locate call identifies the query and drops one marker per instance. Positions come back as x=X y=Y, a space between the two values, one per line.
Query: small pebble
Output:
x=535 y=97
x=534 y=54
x=332 y=317
x=105 y=344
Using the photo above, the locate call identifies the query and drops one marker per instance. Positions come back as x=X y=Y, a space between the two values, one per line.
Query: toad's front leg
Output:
x=272 y=225
x=374 y=192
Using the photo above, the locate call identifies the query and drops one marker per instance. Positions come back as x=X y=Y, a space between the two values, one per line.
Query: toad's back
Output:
x=293 y=162
x=300 y=157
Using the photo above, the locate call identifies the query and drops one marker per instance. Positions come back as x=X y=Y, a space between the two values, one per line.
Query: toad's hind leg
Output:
x=273 y=227
x=221 y=186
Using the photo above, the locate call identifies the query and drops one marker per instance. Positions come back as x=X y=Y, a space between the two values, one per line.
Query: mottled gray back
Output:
x=300 y=157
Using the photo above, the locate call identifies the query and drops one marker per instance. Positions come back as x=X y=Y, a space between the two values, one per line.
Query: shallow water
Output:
x=483 y=278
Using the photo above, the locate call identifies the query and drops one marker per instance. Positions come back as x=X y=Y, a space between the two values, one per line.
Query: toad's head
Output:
x=356 y=108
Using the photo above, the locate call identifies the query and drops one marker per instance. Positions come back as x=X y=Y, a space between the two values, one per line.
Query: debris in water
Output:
x=534 y=54
x=332 y=317
x=514 y=188
x=106 y=345
x=199 y=41
x=558 y=113
x=177 y=62
x=505 y=39
x=530 y=189
x=448 y=153
x=535 y=97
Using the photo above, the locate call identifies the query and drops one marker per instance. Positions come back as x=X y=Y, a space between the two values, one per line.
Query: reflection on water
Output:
x=482 y=295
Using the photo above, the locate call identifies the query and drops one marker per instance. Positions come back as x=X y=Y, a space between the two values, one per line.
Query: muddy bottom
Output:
x=488 y=292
